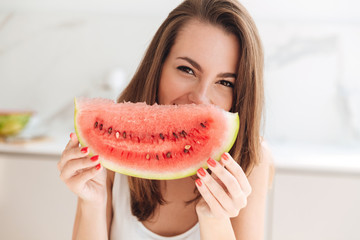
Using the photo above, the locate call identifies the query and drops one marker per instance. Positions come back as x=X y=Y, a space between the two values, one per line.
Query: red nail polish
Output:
x=71 y=134
x=201 y=172
x=198 y=182
x=98 y=166
x=94 y=158
x=225 y=156
x=84 y=149
x=211 y=162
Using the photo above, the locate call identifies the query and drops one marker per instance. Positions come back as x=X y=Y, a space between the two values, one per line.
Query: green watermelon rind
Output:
x=82 y=143
x=233 y=123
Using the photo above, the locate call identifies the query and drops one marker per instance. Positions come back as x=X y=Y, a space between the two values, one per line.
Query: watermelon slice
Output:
x=157 y=141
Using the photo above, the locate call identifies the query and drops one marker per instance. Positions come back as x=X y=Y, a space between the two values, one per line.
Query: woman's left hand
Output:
x=225 y=191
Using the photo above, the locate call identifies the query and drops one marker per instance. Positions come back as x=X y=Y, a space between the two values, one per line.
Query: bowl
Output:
x=12 y=122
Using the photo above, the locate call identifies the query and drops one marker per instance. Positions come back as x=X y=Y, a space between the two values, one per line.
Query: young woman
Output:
x=206 y=51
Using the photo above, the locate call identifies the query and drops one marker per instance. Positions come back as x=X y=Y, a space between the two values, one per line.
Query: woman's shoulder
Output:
x=264 y=170
x=266 y=156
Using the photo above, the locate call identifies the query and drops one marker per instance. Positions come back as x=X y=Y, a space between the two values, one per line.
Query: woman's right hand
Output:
x=83 y=174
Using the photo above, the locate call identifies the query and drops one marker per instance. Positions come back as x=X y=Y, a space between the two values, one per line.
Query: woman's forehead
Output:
x=207 y=44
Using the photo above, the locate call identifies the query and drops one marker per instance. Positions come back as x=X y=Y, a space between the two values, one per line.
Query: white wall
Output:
x=51 y=51
x=312 y=76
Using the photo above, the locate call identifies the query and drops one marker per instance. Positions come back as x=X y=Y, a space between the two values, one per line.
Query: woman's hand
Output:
x=81 y=173
x=225 y=191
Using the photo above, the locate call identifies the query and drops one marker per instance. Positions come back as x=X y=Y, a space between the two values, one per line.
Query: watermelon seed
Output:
x=203 y=125
x=187 y=148
x=157 y=157
x=147 y=156
x=176 y=136
x=161 y=136
x=101 y=127
x=124 y=134
x=117 y=134
x=168 y=154
x=110 y=130
x=96 y=124
x=183 y=133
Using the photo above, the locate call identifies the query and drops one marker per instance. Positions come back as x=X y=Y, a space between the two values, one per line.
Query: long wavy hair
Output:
x=248 y=94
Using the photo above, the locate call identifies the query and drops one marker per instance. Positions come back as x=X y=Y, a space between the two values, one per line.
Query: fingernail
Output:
x=224 y=156
x=198 y=182
x=84 y=149
x=201 y=172
x=94 y=158
x=211 y=162
x=71 y=134
x=98 y=166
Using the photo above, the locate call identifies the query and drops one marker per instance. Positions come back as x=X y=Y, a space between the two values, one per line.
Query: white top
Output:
x=126 y=226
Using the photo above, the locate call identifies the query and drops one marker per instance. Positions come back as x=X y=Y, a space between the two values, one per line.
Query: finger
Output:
x=235 y=169
x=213 y=204
x=85 y=176
x=217 y=191
x=72 y=153
x=229 y=181
x=74 y=141
x=216 y=177
x=75 y=166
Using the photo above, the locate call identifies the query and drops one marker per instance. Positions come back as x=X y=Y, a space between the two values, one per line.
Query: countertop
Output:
x=333 y=158
x=51 y=145
x=287 y=156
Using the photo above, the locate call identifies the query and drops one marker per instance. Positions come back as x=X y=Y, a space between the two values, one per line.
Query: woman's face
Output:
x=201 y=67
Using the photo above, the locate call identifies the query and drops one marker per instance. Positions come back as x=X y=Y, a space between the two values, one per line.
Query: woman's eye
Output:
x=186 y=70
x=226 y=83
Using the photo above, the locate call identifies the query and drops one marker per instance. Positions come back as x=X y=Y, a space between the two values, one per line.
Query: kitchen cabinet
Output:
x=315 y=206
x=34 y=203
x=315 y=194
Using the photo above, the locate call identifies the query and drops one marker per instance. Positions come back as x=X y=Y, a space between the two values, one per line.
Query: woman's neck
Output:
x=179 y=189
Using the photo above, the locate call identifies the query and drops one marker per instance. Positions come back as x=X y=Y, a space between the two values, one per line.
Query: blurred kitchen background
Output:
x=52 y=51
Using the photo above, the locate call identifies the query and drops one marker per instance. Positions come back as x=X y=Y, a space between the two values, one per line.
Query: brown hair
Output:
x=231 y=16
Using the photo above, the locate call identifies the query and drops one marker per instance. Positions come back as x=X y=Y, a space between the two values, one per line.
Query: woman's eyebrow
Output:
x=227 y=75
x=192 y=62
x=198 y=67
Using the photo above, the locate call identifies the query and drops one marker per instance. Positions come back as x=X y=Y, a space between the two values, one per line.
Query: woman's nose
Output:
x=200 y=94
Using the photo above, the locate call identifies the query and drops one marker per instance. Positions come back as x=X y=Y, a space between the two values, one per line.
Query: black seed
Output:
x=161 y=136
x=101 y=127
x=186 y=151
x=157 y=157
x=203 y=125
x=110 y=130
x=183 y=133
x=96 y=124
x=124 y=134
x=168 y=154
x=176 y=136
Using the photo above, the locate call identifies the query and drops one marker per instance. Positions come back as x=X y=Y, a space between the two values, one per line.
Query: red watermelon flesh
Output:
x=157 y=141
